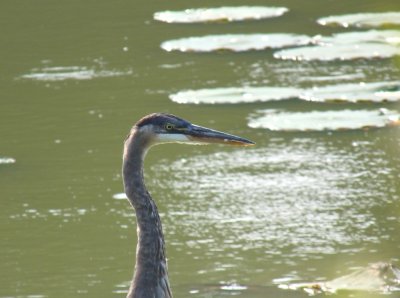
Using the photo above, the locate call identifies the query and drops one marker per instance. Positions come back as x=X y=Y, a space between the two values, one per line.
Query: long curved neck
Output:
x=151 y=276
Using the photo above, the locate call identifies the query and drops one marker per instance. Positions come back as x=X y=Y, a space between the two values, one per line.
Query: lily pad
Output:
x=61 y=73
x=325 y=120
x=234 y=95
x=339 y=52
x=362 y=92
x=362 y=20
x=235 y=42
x=391 y=37
x=379 y=277
x=347 y=46
x=6 y=160
x=218 y=14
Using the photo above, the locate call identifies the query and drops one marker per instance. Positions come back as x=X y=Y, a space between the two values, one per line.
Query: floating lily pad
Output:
x=379 y=277
x=228 y=14
x=362 y=20
x=348 y=46
x=361 y=92
x=325 y=120
x=6 y=160
x=391 y=37
x=372 y=92
x=61 y=73
x=339 y=52
x=234 y=95
x=235 y=42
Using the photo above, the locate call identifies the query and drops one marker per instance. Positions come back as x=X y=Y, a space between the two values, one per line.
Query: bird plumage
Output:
x=150 y=278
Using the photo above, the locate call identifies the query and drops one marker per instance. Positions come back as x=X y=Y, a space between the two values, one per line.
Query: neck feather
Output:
x=150 y=277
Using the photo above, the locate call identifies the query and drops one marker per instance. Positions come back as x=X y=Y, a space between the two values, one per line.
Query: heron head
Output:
x=167 y=128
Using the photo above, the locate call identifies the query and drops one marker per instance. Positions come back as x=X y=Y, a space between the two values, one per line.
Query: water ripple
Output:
x=299 y=199
x=61 y=73
x=6 y=160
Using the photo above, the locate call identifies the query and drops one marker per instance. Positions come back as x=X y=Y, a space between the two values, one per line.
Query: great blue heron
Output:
x=150 y=278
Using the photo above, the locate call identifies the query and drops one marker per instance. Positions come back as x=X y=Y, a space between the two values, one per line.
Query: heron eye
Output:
x=169 y=126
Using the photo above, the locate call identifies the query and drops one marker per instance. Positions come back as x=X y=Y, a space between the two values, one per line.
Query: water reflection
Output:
x=61 y=73
x=65 y=215
x=286 y=73
x=227 y=289
x=289 y=199
x=6 y=160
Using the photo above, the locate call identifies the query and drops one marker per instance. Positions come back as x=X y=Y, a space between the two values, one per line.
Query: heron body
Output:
x=150 y=278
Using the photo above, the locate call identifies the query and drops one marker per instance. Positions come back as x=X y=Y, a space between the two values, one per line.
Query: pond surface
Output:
x=301 y=206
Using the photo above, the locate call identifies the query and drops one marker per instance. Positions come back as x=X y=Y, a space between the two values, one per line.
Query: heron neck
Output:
x=132 y=171
x=151 y=267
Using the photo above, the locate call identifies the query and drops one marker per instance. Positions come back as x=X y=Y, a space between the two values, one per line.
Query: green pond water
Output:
x=298 y=207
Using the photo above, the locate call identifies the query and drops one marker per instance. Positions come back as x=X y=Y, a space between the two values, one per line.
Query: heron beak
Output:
x=199 y=134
